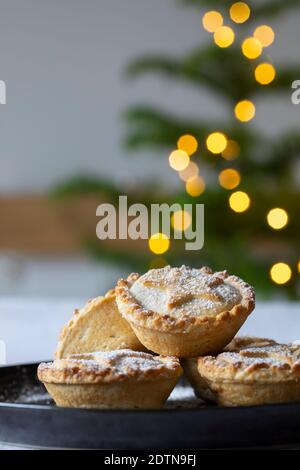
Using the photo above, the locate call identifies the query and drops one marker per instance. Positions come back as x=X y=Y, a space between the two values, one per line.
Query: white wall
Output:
x=62 y=61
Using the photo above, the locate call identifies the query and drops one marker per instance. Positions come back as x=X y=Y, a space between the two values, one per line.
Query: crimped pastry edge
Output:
x=133 y=312
x=73 y=373
x=229 y=373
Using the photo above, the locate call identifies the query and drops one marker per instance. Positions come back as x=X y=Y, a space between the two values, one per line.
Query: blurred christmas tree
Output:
x=252 y=221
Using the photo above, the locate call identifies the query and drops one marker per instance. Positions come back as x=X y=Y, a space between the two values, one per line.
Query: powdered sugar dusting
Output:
x=239 y=360
x=185 y=291
x=268 y=356
x=119 y=362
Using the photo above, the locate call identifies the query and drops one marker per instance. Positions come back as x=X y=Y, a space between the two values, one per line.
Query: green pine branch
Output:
x=83 y=185
x=261 y=9
x=220 y=219
x=223 y=247
x=155 y=128
x=202 y=67
x=205 y=67
x=218 y=252
x=159 y=130
x=242 y=242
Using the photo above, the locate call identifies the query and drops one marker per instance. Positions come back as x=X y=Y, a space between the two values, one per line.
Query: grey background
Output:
x=63 y=62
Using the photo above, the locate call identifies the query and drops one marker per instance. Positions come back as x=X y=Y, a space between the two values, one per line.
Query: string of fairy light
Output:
x=218 y=143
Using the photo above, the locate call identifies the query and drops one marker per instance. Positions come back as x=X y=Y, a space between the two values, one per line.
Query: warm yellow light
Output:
x=239 y=201
x=231 y=151
x=189 y=172
x=229 y=178
x=265 y=73
x=251 y=48
x=265 y=35
x=280 y=273
x=181 y=220
x=239 y=12
x=157 y=263
x=224 y=36
x=277 y=218
x=244 y=110
x=159 y=243
x=188 y=143
x=216 y=142
x=212 y=20
x=179 y=160
x=195 y=186
x=298 y=266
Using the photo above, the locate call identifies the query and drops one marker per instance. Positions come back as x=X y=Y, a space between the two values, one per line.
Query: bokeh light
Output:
x=298 y=266
x=265 y=73
x=265 y=35
x=229 y=178
x=195 y=186
x=231 y=151
x=159 y=243
x=189 y=172
x=212 y=20
x=244 y=110
x=181 y=220
x=239 y=201
x=277 y=218
x=179 y=160
x=280 y=273
x=188 y=143
x=157 y=263
x=239 y=12
x=216 y=142
x=224 y=36
x=251 y=48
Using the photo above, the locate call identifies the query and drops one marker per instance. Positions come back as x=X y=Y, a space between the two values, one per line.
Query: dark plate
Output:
x=28 y=417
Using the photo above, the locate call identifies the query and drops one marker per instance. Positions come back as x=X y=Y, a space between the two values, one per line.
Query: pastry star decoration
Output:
x=182 y=286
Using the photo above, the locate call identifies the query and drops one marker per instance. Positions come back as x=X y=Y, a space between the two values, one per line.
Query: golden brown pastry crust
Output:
x=116 y=379
x=242 y=342
x=189 y=333
x=269 y=363
x=118 y=395
x=132 y=310
x=250 y=371
x=98 y=326
x=109 y=367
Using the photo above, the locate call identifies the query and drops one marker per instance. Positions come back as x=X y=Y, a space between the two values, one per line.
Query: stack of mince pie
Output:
x=129 y=348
